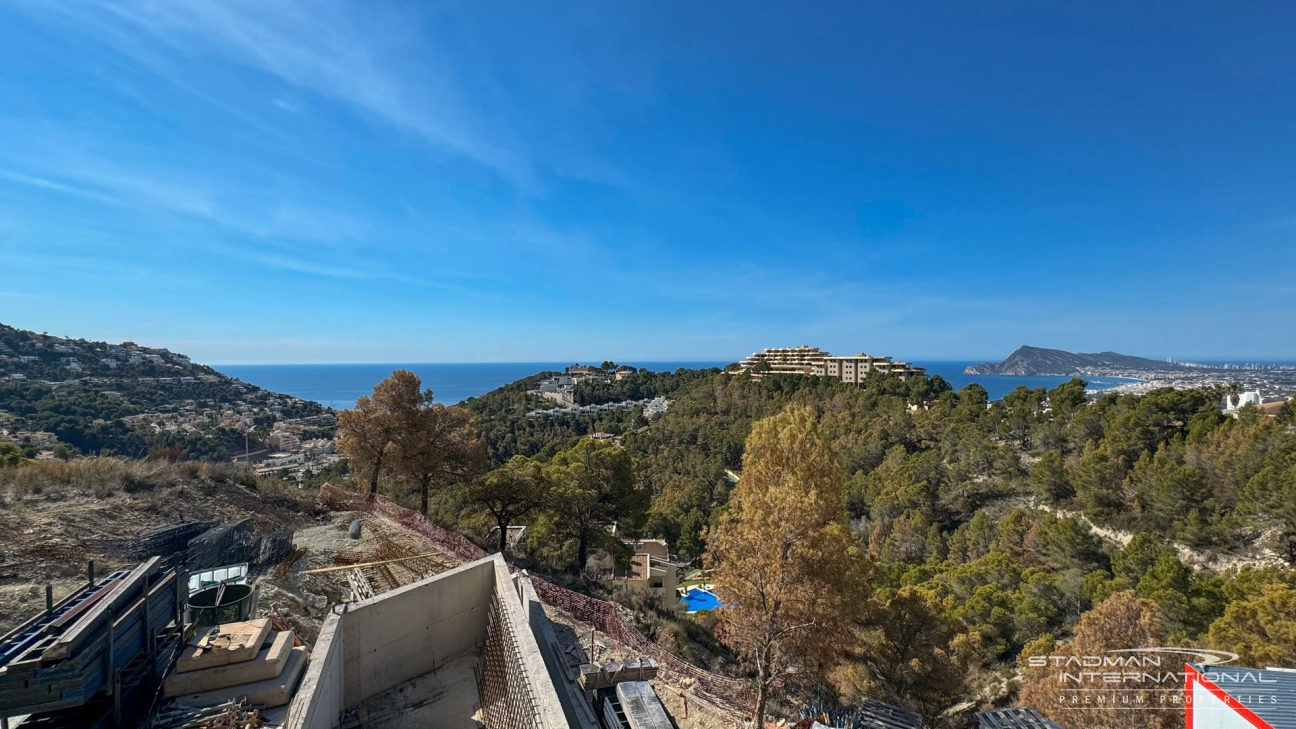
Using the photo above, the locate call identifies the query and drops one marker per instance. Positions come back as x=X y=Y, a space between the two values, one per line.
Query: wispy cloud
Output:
x=44 y=184
x=250 y=201
x=66 y=164
x=24 y=295
x=302 y=265
x=358 y=55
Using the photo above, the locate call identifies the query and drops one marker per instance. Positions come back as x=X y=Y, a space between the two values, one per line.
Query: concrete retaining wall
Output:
x=413 y=630
x=318 y=702
x=575 y=708
x=372 y=646
x=511 y=592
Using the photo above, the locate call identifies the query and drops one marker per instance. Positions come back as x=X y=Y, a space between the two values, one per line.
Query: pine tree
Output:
x=786 y=565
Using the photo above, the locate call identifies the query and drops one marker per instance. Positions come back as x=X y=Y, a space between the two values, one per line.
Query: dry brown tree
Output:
x=1069 y=682
x=401 y=431
x=786 y=566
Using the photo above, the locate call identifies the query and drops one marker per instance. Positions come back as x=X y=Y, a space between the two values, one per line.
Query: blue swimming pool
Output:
x=698 y=599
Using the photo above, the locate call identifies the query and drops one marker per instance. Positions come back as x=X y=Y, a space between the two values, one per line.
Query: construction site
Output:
x=209 y=605
x=216 y=607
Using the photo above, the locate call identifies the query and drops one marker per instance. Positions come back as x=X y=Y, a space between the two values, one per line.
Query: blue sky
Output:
x=325 y=181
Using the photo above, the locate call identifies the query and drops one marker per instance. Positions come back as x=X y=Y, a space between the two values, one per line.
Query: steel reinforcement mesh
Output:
x=163 y=541
x=275 y=548
x=503 y=689
x=224 y=545
x=729 y=696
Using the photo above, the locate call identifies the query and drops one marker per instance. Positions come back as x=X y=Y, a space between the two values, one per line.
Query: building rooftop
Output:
x=1014 y=718
x=1224 y=696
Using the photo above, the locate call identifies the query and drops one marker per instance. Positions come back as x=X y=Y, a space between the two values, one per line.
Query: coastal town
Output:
x=1272 y=384
x=66 y=396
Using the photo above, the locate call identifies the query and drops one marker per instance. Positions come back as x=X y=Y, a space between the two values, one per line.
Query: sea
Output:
x=340 y=385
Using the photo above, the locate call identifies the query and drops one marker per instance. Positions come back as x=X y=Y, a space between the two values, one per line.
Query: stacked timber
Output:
x=246 y=662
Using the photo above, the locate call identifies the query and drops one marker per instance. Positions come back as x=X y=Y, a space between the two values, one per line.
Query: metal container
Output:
x=223 y=603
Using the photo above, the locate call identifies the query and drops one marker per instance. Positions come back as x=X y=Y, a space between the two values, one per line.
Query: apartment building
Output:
x=814 y=362
x=855 y=369
x=785 y=361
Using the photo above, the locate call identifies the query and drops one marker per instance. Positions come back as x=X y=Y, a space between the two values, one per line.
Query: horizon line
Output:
x=1212 y=360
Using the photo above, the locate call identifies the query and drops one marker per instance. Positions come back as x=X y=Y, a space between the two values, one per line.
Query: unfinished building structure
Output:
x=458 y=649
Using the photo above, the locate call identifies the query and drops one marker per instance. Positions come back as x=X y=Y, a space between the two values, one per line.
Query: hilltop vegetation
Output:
x=127 y=399
x=968 y=522
x=923 y=456
x=975 y=517
x=500 y=415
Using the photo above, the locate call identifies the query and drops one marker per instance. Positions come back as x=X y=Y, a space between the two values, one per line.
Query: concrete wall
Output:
x=575 y=708
x=371 y=646
x=319 y=699
x=413 y=630
x=512 y=604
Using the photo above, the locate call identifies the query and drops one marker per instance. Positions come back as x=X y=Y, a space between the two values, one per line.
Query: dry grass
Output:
x=287 y=494
x=106 y=476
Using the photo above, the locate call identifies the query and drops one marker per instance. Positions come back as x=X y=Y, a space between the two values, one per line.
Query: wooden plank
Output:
x=237 y=642
x=342 y=567
x=91 y=621
x=269 y=663
x=269 y=693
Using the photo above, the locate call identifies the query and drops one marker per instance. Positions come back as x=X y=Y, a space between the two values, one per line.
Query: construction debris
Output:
x=281 y=570
x=223 y=645
x=361 y=565
x=869 y=714
x=361 y=588
x=230 y=715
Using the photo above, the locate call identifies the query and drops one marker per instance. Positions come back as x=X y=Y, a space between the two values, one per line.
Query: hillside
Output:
x=1012 y=519
x=500 y=415
x=74 y=395
x=990 y=525
x=1039 y=361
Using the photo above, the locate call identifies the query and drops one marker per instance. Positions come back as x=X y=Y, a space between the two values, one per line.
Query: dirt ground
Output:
x=302 y=599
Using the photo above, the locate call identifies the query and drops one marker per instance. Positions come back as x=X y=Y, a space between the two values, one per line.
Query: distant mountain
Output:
x=1040 y=361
